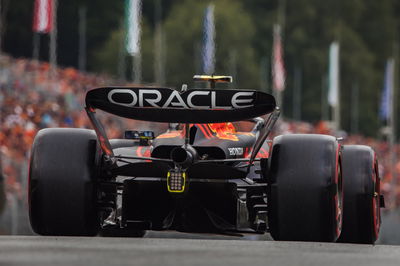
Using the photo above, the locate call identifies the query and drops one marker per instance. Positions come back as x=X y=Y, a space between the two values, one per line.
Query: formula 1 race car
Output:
x=208 y=173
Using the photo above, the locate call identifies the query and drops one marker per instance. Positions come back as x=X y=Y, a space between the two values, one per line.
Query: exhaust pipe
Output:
x=184 y=156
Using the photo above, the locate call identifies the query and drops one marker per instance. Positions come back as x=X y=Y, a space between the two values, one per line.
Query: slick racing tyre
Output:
x=361 y=217
x=305 y=190
x=62 y=196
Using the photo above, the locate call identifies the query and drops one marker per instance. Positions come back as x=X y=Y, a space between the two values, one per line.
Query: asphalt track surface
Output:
x=153 y=250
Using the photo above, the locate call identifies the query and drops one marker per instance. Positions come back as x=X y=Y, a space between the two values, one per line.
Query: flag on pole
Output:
x=43 y=16
x=333 y=93
x=209 y=41
x=278 y=66
x=387 y=92
x=133 y=17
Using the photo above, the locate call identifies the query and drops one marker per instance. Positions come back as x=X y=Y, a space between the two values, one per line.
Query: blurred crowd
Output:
x=31 y=98
x=34 y=95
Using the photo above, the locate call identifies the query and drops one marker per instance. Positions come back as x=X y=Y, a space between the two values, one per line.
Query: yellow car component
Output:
x=212 y=78
x=176 y=181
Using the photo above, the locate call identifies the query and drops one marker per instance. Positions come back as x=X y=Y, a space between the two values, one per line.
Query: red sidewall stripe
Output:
x=375 y=200
x=338 y=211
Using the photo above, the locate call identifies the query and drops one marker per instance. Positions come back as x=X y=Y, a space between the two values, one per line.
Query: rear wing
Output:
x=168 y=105
x=192 y=106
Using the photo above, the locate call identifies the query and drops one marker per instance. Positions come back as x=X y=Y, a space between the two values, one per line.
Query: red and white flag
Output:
x=43 y=16
x=278 y=66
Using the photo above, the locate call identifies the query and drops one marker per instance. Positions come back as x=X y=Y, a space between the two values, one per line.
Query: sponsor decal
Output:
x=235 y=151
x=197 y=99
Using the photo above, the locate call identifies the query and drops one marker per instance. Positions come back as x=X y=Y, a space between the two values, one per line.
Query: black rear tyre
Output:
x=62 y=195
x=305 y=192
x=361 y=217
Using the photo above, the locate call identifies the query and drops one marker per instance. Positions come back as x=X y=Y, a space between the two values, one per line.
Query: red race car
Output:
x=208 y=173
